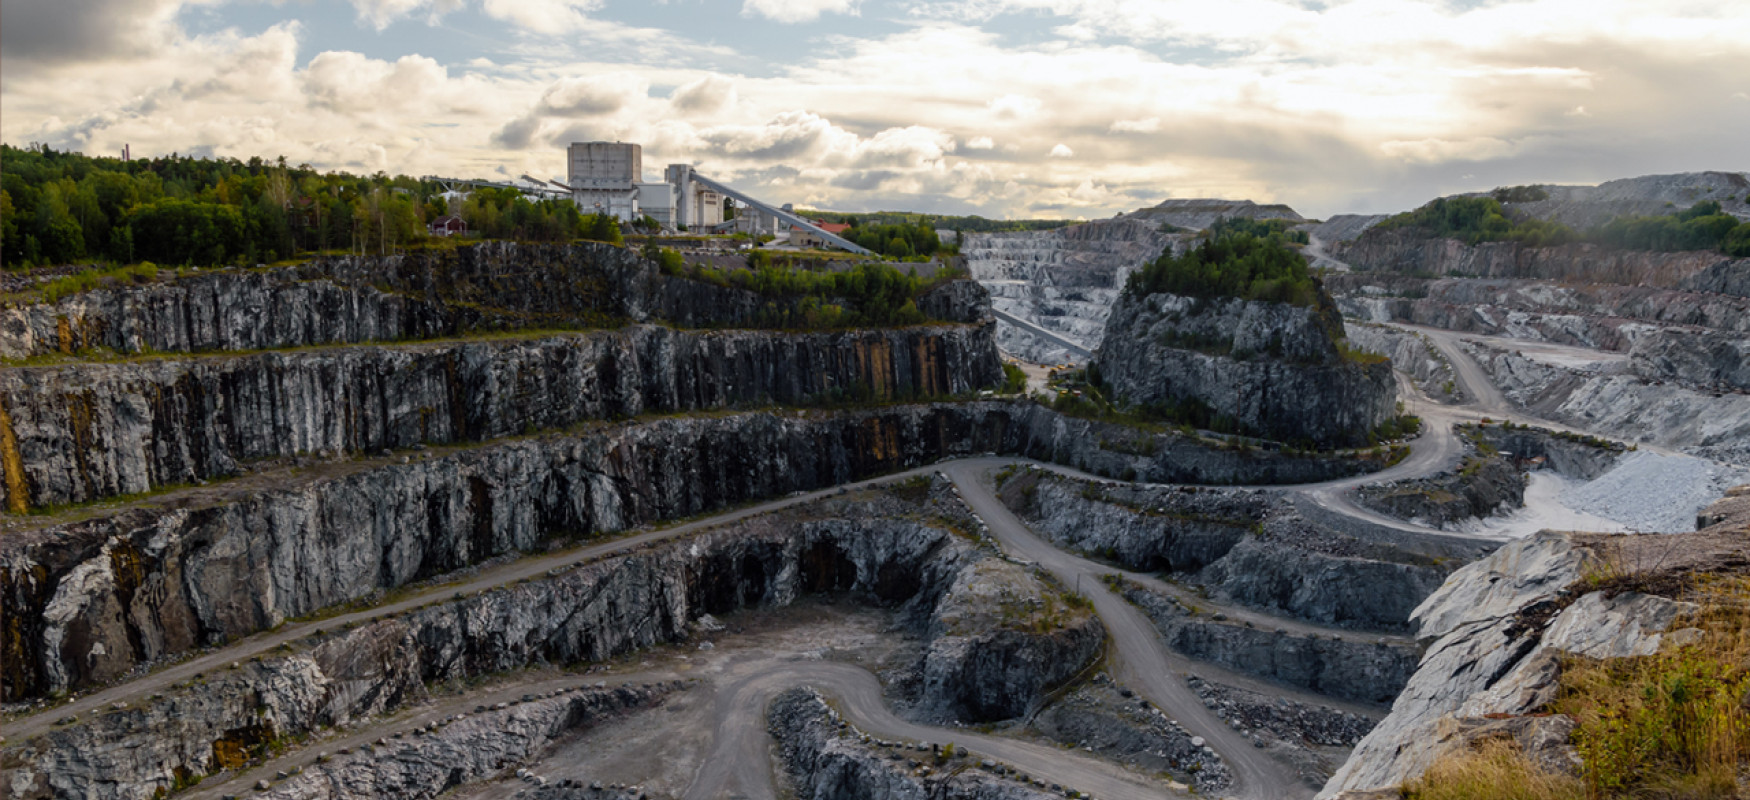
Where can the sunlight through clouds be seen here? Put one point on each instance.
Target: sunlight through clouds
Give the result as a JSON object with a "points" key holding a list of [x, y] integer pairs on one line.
{"points": [[1000, 107]]}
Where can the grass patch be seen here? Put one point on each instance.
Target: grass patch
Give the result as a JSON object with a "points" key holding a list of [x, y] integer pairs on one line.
{"points": [[1496, 769], [1673, 724]]}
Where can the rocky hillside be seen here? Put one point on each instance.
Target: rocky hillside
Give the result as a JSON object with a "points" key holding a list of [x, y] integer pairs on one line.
{"points": [[979, 661], [1509, 636], [1067, 280], [1583, 207], [1274, 369], [1063, 280], [1198, 213]]}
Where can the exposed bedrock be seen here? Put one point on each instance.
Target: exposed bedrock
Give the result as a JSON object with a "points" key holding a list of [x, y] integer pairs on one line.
{"points": [[981, 666], [867, 546], [97, 596], [1483, 485], [429, 293], [1407, 250], [1110, 720], [1710, 424], [1498, 629], [1588, 314], [88, 600], [826, 761], [1370, 672], [93, 430], [1699, 358], [1412, 354], [473, 748], [1064, 280], [1273, 368], [1491, 478], [1248, 546]]}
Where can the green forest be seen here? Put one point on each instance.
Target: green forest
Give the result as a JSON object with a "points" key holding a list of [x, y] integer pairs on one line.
{"points": [[63, 208], [1474, 220], [1234, 260]]}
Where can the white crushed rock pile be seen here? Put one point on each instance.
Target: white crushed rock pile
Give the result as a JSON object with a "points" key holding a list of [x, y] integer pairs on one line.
{"points": [[1651, 492]]}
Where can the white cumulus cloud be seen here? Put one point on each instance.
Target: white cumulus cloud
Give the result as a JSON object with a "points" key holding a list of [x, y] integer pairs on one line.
{"points": [[1149, 125], [793, 11]]}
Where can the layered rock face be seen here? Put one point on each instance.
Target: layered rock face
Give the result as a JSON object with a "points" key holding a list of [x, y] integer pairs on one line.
{"points": [[1251, 547], [1706, 423], [466, 750], [1584, 207], [1368, 672], [1273, 368], [490, 286], [1698, 358], [871, 548], [1412, 354], [82, 432], [1062, 280], [980, 666], [1408, 251], [1497, 629], [89, 600], [1585, 314], [827, 761]]}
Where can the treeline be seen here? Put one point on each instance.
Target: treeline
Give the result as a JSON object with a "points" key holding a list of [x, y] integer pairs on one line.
{"points": [[62, 208], [1232, 261], [1702, 226], [895, 240], [1262, 228], [1473, 220]]}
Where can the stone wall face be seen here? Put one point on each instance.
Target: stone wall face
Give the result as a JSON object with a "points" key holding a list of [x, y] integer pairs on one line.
{"points": [[96, 430], [1273, 368]]}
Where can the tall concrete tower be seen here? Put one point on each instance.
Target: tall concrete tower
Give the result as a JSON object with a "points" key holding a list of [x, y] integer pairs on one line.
{"points": [[604, 177]]}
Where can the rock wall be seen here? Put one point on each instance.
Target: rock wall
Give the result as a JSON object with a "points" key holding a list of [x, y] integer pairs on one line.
{"points": [[1704, 359], [1408, 251], [867, 547], [1272, 368], [89, 600], [826, 761], [1709, 424], [1412, 354], [1144, 528], [1346, 591], [1497, 628], [1064, 280], [1367, 672], [473, 748], [980, 666], [490, 286], [1248, 546], [1587, 314], [95, 430], [1482, 486]]}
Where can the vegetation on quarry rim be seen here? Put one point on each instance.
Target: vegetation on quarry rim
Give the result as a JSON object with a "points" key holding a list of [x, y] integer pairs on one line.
{"points": [[1674, 725], [1240, 258]]}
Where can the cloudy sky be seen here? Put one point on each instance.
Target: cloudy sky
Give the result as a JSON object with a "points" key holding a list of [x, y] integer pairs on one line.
{"points": [[1061, 108]]}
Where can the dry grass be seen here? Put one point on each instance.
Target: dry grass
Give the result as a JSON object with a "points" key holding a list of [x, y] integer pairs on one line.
{"points": [[1496, 769], [1670, 726], [1674, 725]]}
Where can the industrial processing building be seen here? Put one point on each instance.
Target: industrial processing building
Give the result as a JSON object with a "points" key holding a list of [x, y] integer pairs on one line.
{"points": [[608, 178]]}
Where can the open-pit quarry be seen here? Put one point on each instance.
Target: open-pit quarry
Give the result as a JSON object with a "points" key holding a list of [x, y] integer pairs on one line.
{"points": [[510, 520]]}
